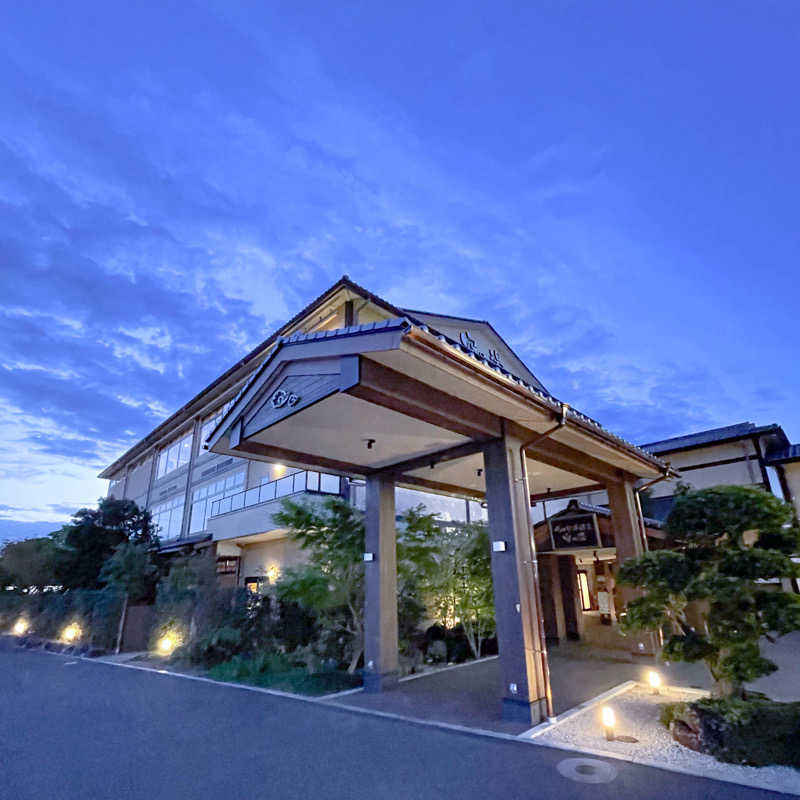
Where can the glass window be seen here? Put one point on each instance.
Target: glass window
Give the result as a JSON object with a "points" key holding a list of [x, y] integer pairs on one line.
{"points": [[329, 483], [313, 481], [174, 455], [205, 499], [168, 517], [209, 423], [284, 486]]}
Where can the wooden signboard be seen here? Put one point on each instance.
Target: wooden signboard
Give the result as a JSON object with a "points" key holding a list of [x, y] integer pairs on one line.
{"points": [[573, 531]]}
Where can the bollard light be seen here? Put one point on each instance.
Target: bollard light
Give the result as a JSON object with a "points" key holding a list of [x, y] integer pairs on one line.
{"points": [[21, 627], [609, 720], [71, 633], [165, 645], [654, 679]]}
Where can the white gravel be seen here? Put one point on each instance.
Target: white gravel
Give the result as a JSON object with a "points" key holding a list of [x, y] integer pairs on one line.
{"points": [[637, 712]]}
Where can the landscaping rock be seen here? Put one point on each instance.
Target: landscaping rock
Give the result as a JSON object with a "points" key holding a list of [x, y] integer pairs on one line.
{"points": [[683, 734]]}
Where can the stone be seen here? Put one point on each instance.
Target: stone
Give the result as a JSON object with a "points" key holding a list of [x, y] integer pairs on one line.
{"points": [[685, 735]]}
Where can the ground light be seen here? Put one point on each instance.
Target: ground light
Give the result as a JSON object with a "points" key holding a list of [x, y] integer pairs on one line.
{"points": [[609, 720], [654, 679], [21, 627], [71, 633], [168, 641]]}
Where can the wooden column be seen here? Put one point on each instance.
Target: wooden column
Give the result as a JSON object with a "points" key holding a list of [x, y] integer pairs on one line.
{"points": [[517, 608], [629, 544], [380, 586]]}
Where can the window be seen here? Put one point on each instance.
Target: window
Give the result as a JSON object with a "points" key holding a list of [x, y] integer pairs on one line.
{"points": [[204, 496], [168, 517], [174, 455], [209, 423]]}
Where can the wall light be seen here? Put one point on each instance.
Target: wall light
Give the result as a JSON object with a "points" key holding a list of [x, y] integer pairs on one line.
{"points": [[654, 679], [21, 627], [273, 572], [609, 720], [71, 633], [278, 471]]}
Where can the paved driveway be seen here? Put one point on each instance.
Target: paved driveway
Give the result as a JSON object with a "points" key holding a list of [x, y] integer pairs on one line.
{"points": [[87, 730]]}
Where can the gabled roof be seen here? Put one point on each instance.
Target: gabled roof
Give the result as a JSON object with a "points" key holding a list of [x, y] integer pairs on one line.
{"points": [[232, 375], [742, 430], [241, 368]]}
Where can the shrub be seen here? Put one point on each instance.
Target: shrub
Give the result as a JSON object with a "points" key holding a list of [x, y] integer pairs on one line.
{"points": [[749, 730]]}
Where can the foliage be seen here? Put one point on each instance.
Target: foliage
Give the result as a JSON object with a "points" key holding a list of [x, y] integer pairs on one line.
{"points": [[725, 540], [28, 564], [742, 730], [459, 585], [131, 570], [331, 583], [90, 539], [96, 611], [285, 672]]}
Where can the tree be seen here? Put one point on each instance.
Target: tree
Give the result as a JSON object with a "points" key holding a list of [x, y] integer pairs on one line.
{"points": [[725, 541], [331, 583], [29, 563], [459, 587], [90, 539], [131, 570]]}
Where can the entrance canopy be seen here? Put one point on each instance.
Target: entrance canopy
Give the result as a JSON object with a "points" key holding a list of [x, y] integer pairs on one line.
{"points": [[394, 397]]}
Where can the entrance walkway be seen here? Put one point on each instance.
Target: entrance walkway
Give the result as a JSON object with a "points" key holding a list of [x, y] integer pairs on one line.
{"points": [[468, 695]]}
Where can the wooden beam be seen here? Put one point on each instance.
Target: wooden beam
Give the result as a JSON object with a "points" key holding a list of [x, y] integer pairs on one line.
{"points": [[385, 387], [549, 451], [585, 489], [439, 487], [439, 457], [292, 457]]}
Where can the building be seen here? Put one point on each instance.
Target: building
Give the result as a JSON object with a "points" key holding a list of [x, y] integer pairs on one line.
{"points": [[391, 406]]}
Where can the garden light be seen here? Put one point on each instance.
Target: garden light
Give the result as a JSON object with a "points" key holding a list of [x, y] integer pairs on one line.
{"points": [[71, 633], [654, 679], [20, 627], [609, 720], [165, 645], [169, 640]]}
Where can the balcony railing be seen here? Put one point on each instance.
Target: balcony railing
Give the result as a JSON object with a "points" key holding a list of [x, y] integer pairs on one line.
{"points": [[305, 481]]}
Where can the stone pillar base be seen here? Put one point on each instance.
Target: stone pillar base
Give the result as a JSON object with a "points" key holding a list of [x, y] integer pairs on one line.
{"points": [[375, 682]]}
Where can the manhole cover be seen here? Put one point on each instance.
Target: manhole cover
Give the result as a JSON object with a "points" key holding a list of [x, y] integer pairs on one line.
{"points": [[628, 739], [587, 770]]}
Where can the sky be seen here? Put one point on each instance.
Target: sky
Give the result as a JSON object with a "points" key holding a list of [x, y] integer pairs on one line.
{"points": [[613, 185]]}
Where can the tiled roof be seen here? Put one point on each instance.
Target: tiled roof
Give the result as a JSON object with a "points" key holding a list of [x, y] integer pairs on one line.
{"points": [[712, 436], [790, 453], [404, 323]]}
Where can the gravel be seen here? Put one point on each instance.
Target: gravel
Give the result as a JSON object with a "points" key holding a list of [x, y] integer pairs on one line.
{"points": [[637, 712]]}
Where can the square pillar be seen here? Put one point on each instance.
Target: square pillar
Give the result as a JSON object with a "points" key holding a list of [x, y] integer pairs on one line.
{"points": [[629, 543], [381, 666], [517, 609]]}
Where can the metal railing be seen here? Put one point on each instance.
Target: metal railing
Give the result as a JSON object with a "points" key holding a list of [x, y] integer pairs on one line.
{"points": [[305, 481]]}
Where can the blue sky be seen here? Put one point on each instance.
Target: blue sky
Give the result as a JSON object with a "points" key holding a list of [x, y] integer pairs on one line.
{"points": [[613, 185]]}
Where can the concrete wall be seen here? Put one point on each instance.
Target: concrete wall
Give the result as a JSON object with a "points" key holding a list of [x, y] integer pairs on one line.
{"points": [[792, 473], [263, 558]]}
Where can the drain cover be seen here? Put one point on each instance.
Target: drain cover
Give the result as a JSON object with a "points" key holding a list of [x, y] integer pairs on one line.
{"points": [[587, 770]]}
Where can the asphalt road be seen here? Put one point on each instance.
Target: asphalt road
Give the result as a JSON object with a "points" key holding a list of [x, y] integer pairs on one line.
{"points": [[89, 730]]}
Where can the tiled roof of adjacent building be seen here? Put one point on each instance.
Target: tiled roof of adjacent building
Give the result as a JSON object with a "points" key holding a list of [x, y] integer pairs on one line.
{"points": [[790, 453], [713, 436]]}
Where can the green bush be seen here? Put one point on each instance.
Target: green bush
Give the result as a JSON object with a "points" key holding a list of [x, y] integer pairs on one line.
{"points": [[97, 611], [751, 730], [283, 672]]}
